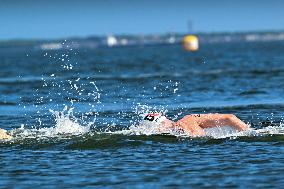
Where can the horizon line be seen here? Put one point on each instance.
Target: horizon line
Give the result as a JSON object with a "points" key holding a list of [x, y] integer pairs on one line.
{"points": [[142, 34]]}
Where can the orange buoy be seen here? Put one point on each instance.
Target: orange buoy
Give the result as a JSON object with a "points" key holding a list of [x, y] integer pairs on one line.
{"points": [[190, 43]]}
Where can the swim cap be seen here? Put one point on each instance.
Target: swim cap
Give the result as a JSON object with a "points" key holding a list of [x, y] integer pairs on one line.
{"points": [[155, 118]]}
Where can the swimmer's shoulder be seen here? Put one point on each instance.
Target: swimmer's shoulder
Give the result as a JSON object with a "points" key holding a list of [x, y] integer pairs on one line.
{"points": [[190, 116], [194, 117], [203, 115]]}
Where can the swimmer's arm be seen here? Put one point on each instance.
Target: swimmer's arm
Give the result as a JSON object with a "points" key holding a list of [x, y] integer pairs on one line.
{"points": [[213, 120]]}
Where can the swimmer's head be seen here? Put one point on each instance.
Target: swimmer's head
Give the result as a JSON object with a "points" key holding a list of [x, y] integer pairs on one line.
{"points": [[158, 120], [155, 118]]}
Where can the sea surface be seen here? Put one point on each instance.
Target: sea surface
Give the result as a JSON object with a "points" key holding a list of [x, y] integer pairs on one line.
{"points": [[75, 115]]}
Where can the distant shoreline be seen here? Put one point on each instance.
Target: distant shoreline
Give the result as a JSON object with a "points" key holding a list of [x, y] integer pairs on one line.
{"points": [[144, 40], [137, 35]]}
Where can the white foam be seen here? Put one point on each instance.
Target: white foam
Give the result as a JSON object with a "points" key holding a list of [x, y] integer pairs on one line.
{"points": [[219, 132], [148, 128], [228, 133]]}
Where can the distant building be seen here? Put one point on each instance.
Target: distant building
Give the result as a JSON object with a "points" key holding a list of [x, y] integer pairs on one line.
{"points": [[51, 46], [111, 41], [171, 39], [124, 41]]}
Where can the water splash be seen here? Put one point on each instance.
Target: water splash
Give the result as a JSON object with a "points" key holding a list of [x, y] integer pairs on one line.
{"points": [[66, 124]]}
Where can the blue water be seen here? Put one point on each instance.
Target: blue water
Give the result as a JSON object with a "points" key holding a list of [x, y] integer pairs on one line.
{"points": [[75, 113]]}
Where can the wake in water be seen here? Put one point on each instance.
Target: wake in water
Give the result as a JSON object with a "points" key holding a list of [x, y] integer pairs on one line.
{"points": [[215, 133]]}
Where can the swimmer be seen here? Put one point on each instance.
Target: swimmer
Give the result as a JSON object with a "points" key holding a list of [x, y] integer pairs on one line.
{"points": [[195, 124], [4, 135]]}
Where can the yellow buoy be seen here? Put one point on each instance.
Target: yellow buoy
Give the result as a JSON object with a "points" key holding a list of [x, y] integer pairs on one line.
{"points": [[190, 43]]}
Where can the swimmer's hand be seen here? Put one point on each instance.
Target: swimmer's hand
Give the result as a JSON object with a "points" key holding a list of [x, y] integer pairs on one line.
{"points": [[4, 135]]}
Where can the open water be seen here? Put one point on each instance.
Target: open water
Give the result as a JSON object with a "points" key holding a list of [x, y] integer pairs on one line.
{"points": [[75, 113]]}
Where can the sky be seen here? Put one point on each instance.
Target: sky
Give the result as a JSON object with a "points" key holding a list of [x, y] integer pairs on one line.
{"points": [[48, 19]]}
